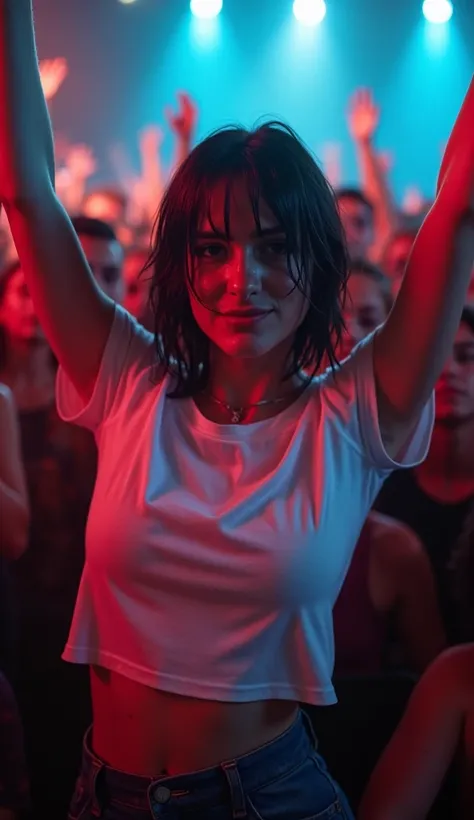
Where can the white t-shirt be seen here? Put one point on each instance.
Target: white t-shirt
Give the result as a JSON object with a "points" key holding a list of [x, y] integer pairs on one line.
{"points": [[215, 553]]}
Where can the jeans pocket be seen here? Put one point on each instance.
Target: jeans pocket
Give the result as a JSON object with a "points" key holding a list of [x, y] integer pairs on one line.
{"points": [[305, 793], [81, 800]]}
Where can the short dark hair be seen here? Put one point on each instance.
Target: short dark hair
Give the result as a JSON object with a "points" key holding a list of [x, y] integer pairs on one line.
{"points": [[94, 228], [355, 194], [279, 169], [467, 317], [362, 267]]}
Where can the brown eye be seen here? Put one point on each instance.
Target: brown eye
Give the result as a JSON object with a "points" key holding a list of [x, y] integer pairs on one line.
{"points": [[210, 251], [277, 248]]}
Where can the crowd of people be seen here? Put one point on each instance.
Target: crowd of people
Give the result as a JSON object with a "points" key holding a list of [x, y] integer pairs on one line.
{"points": [[312, 481]]}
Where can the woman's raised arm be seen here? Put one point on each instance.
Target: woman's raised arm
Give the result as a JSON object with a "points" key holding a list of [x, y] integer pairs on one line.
{"points": [[75, 314], [412, 346]]}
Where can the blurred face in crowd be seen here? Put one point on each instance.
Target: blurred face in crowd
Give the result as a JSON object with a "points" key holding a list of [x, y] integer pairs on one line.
{"points": [[247, 303], [17, 315], [136, 287], [358, 222], [364, 310], [105, 258], [396, 256], [455, 387]]}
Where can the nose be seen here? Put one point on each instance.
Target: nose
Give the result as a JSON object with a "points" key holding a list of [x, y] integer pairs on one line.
{"points": [[244, 279], [353, 332], [450, 369], [28, 306]]}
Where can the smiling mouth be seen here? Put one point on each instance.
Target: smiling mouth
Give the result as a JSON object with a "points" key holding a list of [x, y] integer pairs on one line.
{"points": [[246, 315]]}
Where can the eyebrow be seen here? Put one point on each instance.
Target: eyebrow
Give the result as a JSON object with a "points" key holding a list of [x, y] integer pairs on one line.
{"points": [[275, 230]]}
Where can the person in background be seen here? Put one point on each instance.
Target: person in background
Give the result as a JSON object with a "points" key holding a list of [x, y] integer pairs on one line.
{"points": [[183, 123], [435, 498], [60, 466], [108, 205], [462, 579], [137, 285], [14, 523], [395, 256], [76, 166], [53, 73], [470, 293], [367, 304], [438, 723], [104, 254], [358, 220], [14, 786], [389, 592], [14, 507], [145, 190], [387, 605], [372, 217]]}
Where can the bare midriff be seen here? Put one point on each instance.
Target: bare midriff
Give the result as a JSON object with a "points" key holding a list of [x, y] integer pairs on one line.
{"points": [[148, 732]]}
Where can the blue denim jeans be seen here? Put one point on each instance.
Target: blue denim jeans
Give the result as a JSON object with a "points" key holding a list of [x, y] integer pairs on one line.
{"points": [[283, 780]]}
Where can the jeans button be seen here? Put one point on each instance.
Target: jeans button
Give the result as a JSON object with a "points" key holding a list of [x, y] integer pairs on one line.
{"points": [[162, 795]]}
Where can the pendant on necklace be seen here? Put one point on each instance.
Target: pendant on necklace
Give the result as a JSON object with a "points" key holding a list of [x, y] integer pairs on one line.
{"points": [[237, 415]]}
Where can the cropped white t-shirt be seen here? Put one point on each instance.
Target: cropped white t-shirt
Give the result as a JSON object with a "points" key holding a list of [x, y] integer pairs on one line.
{"points": [[215, 553]]}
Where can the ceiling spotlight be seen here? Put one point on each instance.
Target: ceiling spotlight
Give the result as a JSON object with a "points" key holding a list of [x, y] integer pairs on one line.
{"points": [[438, 11], [309, 12], [206, 9]]}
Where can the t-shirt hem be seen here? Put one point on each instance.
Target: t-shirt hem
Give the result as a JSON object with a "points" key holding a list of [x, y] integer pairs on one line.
{"points": [[317, 696]]}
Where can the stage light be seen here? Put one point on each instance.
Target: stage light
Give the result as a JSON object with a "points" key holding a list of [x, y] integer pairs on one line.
{"points": [[127, 2], [309, 12], [438, 11], [206, 9]]}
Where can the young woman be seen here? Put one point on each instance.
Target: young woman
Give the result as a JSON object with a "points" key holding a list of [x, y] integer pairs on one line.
{"points": [[216, 544]]}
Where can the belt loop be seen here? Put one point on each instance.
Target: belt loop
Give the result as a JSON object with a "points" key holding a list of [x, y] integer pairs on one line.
{"points": [[239, 807], [96, 769], [309, 729]]}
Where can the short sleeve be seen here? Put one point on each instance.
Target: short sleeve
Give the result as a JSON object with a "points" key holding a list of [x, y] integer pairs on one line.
{"points": [[129, 350], [350, 397]]}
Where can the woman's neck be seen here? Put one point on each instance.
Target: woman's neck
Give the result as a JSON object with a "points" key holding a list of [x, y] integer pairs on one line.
{"points": [[448, 472], [245, 382], [255, 387], [29, 373]]}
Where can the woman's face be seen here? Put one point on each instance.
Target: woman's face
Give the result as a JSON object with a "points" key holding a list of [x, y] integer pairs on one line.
{"points": [[17, 314], [364, 310], [455, 387], [251, 304]]}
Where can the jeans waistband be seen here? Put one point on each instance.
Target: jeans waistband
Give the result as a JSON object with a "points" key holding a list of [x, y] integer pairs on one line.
{"points": [[207, 786]]}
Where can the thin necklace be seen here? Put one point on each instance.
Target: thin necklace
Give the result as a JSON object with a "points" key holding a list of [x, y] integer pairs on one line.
{"points": [[237, 414]]}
